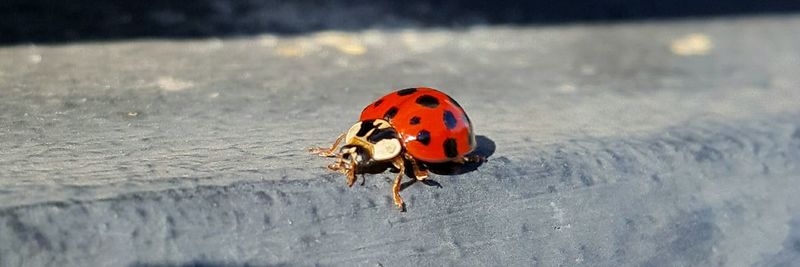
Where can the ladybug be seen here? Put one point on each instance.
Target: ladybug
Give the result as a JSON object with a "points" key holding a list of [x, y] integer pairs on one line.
{"points": [[411, 127]]}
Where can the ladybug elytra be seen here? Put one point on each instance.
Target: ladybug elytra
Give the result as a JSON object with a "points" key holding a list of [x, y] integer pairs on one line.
{"points": [[410, 126]]}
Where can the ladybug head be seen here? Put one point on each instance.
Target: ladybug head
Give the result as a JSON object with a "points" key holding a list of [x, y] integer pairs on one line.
{"points": [[371, 141]]}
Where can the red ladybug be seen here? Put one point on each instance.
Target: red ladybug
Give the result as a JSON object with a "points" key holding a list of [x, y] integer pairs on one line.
{"points": [[414, 125]]}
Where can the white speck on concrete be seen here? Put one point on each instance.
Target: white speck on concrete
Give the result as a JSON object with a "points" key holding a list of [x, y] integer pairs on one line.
{"points": [[588, 70], [172, 84], [567, 88], [558, 215], [35, 58], [268, 40], [695, 44]]}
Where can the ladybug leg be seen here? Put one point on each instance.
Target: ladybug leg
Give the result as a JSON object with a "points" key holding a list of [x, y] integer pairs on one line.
{"points": [[419, 173], [338, 166], [470, 159], [327, 152], [400, 164], [476, 158], [351, 173]]}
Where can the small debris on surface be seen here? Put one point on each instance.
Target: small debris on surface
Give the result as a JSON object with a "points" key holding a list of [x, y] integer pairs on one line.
{"points": [[172, 84], [695, 44], [347, 44]]}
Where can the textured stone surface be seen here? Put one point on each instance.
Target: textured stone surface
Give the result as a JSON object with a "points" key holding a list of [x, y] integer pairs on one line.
{"points": [[609, 144]]}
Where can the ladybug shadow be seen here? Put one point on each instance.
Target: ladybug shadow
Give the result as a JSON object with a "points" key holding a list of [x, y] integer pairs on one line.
{"points": [[485, 148]]}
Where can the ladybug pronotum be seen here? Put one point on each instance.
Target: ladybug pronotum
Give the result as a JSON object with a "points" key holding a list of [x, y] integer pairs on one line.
{"points": [[412, 126]]}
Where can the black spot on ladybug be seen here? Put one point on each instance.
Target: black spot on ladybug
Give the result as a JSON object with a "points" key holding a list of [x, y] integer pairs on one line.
{"points": [[450, 120], [365, 127], [414, 120], [406, 91], [377, 103], [428, 101], [390, 114], [450, 148], [424, 137]]}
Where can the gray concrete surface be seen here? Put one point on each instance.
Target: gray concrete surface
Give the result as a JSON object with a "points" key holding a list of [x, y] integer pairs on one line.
{"points": [[655, 144]]}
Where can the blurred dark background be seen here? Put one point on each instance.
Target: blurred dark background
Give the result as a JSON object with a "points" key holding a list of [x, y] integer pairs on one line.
{"points": [[47, 21]]}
